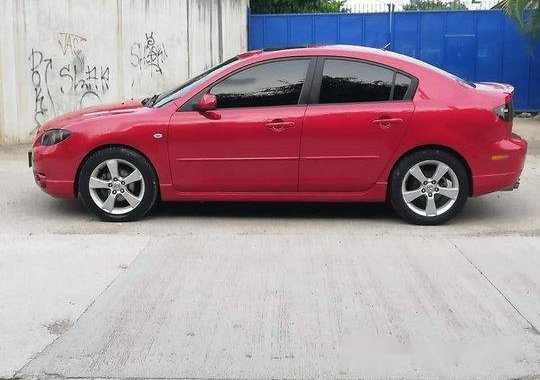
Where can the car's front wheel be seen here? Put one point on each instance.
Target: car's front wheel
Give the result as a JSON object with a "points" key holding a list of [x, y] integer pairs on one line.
{"points": [[117, 184], [429, 187]]}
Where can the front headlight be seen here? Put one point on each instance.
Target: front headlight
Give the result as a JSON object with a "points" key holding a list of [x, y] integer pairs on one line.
{"points": [[54, 136]]}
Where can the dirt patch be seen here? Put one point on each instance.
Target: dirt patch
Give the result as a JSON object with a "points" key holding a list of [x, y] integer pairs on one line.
{"points": [[59, 326]]}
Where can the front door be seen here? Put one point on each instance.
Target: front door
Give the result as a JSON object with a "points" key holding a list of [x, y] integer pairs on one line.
{"points": [[354, 126], [251, 142]]}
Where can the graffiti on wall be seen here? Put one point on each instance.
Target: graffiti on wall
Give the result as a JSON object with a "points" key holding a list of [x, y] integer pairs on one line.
{"points": [[40, 70], [149, 55], [72, 43], [65, 82], [88, 83], [66, 77]]}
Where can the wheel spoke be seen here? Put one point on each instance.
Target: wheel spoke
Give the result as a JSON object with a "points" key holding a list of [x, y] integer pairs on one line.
{"points": [[449, 192], [112, 165], [132, 199], [410, 196], [133, 177], [417, 173], [96, 183], [431, 207], [441, 170], [108, 205]]}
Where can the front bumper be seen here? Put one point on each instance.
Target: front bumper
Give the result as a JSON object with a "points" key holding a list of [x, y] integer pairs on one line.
{"points": [[58, 189], [54, 168], [501, 166]]}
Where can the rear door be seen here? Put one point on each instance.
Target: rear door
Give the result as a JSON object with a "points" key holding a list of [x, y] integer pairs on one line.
{"points": [[359, 113]]}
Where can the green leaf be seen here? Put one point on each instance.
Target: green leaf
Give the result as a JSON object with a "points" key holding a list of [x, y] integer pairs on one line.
{"points": [[297, 6]]}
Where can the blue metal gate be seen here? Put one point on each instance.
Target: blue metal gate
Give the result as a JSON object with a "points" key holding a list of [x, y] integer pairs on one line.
{"points": [[475, 45]]}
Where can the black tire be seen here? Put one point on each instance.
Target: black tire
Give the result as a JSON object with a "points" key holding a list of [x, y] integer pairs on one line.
{"points": [[400, 172], [127, 157]]}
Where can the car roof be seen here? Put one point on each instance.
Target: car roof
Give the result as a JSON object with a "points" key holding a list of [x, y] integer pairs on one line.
{"points": [[315, 50], [385, 57]]}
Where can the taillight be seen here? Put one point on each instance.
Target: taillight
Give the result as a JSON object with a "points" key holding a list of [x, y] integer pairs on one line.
{"points": [[503, 112], [506, 113]]}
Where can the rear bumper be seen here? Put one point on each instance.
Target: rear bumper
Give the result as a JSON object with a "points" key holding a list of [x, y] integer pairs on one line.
{"points": [[515, 186], [502, 164]]}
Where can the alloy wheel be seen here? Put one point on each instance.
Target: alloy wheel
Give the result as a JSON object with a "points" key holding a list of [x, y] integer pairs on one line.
{"points": [[116, 186], [430, 188]]}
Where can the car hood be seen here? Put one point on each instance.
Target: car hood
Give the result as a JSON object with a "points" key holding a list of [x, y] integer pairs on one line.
{"points": [[126, 107]]}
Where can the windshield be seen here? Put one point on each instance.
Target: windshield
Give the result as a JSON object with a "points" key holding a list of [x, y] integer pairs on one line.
{"points": [[167, 96]]}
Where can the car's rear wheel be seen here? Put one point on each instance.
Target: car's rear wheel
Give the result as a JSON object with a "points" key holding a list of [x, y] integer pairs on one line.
{"points": [[429, 187], [118, 184]]}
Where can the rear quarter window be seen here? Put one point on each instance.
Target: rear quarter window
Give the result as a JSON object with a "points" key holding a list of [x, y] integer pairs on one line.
{"points": [[401, 86]]}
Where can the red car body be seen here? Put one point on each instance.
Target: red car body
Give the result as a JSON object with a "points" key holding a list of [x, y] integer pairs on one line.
{"points": [[303, 152]]}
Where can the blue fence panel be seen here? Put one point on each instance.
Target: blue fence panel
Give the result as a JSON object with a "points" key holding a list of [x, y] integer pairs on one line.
{"points": [[489, 50], [376, 30], [351, 29], [255, 33], [405, 34], [300, 30], [515, 65], [431, 46], [534, 79], [476, 45]]}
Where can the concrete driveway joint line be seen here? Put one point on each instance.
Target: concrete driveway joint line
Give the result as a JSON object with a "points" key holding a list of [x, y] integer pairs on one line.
{"points": [[532, 326], [16, 375]]}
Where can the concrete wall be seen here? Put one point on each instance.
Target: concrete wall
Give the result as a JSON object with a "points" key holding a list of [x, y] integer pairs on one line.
{"points": [[57, 56]]}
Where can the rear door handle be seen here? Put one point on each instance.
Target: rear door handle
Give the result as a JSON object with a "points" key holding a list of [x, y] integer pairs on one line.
{"points": [[387, 122], [279, 125]]}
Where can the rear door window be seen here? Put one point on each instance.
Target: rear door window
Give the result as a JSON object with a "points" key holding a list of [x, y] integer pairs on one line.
{"points": [[346, 81], [349, 81]]}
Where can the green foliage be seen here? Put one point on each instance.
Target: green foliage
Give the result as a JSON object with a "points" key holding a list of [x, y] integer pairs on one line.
{"points": [[526, 13], [433, 5], [297, 6]]}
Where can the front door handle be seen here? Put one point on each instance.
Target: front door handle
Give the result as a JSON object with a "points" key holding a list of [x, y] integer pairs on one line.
{"points": [[387, 122], [278, 125]]}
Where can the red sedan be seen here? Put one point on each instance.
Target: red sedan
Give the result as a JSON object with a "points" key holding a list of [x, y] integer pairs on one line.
{"points": [[333, 123]]}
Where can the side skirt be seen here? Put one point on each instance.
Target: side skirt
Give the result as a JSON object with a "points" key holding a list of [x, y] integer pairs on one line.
{"points": [[377, 193]]}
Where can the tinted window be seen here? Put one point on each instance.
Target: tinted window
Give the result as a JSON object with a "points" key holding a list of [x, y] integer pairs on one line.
{"points": [[269, 84], [349, 81], [401, 86]]}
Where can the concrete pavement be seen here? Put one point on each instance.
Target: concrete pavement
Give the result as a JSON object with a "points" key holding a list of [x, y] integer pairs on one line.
{"points": [[301, 307], [47, 283], [269, 290]]}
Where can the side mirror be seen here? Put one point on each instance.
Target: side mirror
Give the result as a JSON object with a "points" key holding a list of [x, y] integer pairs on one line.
{"points": [[208, 102]]}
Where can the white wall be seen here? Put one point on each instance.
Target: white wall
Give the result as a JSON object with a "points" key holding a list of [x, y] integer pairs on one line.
{"points": [[60, 55]]}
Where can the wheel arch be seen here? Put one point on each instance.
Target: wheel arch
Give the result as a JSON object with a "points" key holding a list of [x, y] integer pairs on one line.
{"points": [[101, 147], [433, 146]]}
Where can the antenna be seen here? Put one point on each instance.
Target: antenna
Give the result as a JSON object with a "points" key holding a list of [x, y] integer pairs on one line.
{"points": [[386, 46]]}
